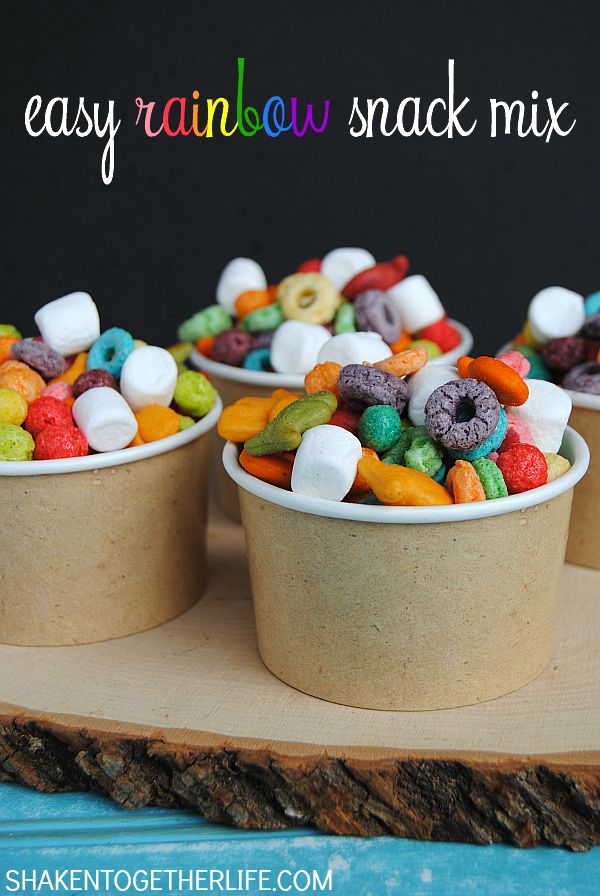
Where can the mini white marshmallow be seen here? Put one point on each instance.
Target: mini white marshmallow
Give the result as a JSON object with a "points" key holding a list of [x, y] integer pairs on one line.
{"points": [[105, 418], [341, 265], [417, 301], [70, 324], [555, 312], [422, 384], [238, 276], [296, 345], [546, 412], [149, 376], [325, 463], [354, 348]]}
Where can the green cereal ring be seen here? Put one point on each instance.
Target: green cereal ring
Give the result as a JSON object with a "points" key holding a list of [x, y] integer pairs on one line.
{"points": [[284, 432], [209, 322], [15, 443], [424, 454], [433, 350], [268, 318], [379, 427], [9, 330], [194, 394], [13, 407], [345, 319], [185, 422], [395, 454], [490, 477]]}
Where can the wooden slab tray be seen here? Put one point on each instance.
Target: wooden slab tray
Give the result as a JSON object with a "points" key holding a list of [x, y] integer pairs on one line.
{"points": [[187, 715]]}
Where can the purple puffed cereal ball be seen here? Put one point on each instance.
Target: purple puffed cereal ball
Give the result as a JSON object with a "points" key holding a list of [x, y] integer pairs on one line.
{"points": [[39, 356], [231, 347], [584, 378], [375, 312], [92, 379], [361, 385], [462, 414], [264, 339], [591, 327], [562, 354]]}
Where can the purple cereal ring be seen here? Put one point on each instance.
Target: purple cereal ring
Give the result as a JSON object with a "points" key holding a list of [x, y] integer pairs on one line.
{"points": [[362, 385], [584, 378], [462, 414], [40, 356], [91, 379], [264, 339], [231, 347], [562, 354], [375, 311], [591, 327]]}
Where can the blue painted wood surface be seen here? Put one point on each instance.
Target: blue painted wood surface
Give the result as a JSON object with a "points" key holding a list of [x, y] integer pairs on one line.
{"points": [[57, 831]]}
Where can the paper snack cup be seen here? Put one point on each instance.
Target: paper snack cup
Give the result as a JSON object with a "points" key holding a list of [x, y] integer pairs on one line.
{"points": [[237, 382], [106, 545], [583, 546], [406, 608]]}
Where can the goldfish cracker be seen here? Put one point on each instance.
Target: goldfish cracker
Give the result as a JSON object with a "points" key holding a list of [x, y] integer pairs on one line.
{"points": [[156, 422], [18, 376], [360, 485], [282, 403], [78, 366], [252, 300], [285, 432], [205, 345], [464, 484], [246, 417], [136, 441], [510, 388], [6, 344], [396, 485], [463, 364], [276, 469], [403, 363], [323, 376]]}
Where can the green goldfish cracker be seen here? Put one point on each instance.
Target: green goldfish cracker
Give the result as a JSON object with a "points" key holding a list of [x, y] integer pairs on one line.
{"points": [[15, 443], [284, 432], [194, 394]]}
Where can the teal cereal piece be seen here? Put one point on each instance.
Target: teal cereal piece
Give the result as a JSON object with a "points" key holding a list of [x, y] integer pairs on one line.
{"points": [[9, 330], [268, 318], [490, 477], [345, 319], [209, 322], [433, 350], [369, 499], [440, 476], [591, 305], [194, 394], [15, 443], [185, 422], [492, 443], [258, 359], [379, 427], [110, 351], [424, 454], [284, 432]]}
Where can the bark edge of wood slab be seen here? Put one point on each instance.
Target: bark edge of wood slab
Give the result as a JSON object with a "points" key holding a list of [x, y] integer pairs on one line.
{"points": [[551, 799]]}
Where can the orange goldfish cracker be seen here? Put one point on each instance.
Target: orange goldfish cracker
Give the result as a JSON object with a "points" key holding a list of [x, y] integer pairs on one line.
{"points": [[136, 440], [252, 300], [393, 484], [323, 376], [464, 484], [156, 422], [6, 343], [18, 376], [78, 366], [403, 363], [463, 364], [360, 485], [510, 388], [204, 345], [247, 417], [282, 403], [401, 343], [275, 469]]}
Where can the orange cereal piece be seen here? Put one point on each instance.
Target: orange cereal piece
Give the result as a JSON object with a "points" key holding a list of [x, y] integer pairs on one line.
{"points": [[272, 290], [463, 365], [397, 485], [360, 485], [464, 484], [205, 344], [136, 440], [282, 403], [401, 343], [6, 343], [275, 469], [510, 388], [78, 366], [156, 422], [252, 300], [18, 376], [323, 376], [408, 361]]}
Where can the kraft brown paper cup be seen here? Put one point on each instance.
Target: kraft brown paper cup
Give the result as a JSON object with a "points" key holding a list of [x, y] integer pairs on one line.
{"points": [[103, 546], [236, 382], [406, 608], [583, 546]]}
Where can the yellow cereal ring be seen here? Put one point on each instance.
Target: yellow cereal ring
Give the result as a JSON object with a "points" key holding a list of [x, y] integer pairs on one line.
{"points": [[311, 298]]}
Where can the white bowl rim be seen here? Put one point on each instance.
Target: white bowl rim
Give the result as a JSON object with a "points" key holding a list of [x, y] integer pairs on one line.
{"points": [[113, 458], [580, 399], [296, 380], [574, 444]]}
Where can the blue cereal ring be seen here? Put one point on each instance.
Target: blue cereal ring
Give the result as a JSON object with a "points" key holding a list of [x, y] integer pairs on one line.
{"points": [[491, 443], [110, 350], [258, 359], [440, 476], [592, 304]]}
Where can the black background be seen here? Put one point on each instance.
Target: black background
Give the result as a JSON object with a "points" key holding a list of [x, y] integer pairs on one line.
{"points": [[489, 222]]}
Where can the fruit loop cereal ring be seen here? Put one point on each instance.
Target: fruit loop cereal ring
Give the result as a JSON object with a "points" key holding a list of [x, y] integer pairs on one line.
{"points": [[91, 379], [423, 453], [538, 369], [71, 373], [563, 354], [380, 276], [251, 301], [18, 376], [55, 442], [517, 361], [13, 407], [47, 411], [323, 377], [247, 416], [284, 433], [258, 359], [209, 322], [464, 484], [400, 486], [39, 356], [442, 334], [194, 394], [491, 478], [232, 346], [510, 388], [59, 389], [492, 443], [462, 414], [205, 346], [523, 467], [156, 422], [345, 319], [440, 476], [583, 378], [6, 344], [273, 468], [557, 466], [110, 351], [263, 340], [590, 306], [15, 443], [408, 361], [359, 384], [374, 312], [268, 318], [311, 298], [591, 327], [379, 427]]}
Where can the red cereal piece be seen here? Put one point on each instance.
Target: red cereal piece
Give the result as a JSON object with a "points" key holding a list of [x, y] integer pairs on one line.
{"points": [[524, 467], [60, 441], [47, 411], [311, 265], [346, 420], [443, 334]]}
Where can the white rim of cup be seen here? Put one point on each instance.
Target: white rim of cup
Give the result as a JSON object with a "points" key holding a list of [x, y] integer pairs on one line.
{"points": [[296, 380], [113, 458], [579, 399], [574, 445]]}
